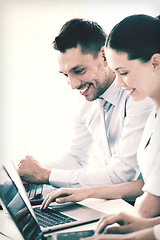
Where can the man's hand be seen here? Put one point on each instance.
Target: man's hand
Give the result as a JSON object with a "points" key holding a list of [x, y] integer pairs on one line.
{"points": [[64, 195], [32, 171]]}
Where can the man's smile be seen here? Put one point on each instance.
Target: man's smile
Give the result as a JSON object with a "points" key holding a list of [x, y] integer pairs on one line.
{"points": [[84, 90]]}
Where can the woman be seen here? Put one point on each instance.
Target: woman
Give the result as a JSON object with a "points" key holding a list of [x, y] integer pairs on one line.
{"points": [[133, 53]]}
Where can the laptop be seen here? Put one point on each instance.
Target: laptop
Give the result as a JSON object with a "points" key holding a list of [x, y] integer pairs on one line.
{"points": [[37, 192], [29, 220]]}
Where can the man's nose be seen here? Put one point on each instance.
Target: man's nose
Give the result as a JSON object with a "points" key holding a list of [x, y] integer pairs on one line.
{"points": [[119, 81], [74, 82]]}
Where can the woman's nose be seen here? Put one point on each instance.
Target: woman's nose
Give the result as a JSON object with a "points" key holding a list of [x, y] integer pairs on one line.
{"points": [[119, 81]]}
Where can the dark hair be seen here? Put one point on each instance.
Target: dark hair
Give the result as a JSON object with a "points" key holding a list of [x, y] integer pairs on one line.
{"points": [[137, 35], [89, 35]]}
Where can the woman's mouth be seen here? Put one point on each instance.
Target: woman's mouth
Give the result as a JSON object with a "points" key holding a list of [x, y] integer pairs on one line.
{"points": [[130, 91]]}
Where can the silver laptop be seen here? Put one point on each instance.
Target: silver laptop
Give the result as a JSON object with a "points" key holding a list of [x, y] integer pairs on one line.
{"points": [[31, 222]]}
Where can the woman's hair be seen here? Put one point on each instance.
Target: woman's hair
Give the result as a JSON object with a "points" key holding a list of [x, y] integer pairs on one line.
{"points": [[89, 35], [136, 35]]}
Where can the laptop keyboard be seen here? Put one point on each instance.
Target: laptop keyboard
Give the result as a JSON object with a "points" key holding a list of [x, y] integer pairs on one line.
{"points": [[34, 192], [49, 217]]}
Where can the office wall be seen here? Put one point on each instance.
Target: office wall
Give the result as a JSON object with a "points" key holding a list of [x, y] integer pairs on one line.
{"points": [[36, 102]]}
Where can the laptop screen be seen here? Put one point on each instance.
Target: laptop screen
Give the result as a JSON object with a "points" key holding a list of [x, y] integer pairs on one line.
{"points": [[17, 208]]}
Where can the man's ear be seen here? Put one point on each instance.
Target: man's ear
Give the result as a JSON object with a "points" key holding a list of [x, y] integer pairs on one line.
{"points": [[155, 60], [104, 55]]}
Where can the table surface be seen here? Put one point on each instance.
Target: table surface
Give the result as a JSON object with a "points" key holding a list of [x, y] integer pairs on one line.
{"points": [[107, 206]]}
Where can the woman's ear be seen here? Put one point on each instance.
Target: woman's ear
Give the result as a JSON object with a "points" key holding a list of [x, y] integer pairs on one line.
{"points": [[155, 60]]}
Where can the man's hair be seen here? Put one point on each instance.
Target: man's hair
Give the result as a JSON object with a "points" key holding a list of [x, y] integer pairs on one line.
{"points": [[89, 35], [136, 35]]}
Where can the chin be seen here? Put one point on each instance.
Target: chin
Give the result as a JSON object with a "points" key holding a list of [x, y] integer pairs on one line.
{"points": [[90, 98], [137, 99]]}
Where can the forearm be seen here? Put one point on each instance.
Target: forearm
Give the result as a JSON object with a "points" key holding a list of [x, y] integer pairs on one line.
{"points": [[127, 191], [153, 221], [148, 205]]}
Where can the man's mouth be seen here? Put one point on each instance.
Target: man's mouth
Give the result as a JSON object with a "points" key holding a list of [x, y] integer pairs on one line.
{"points": [[85, 89]]}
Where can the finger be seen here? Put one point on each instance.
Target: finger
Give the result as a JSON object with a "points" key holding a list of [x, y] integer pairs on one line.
{"points": [[117, 218], [102, 223], [50, 197], [118, 229], [64, 198], [101, 227]]}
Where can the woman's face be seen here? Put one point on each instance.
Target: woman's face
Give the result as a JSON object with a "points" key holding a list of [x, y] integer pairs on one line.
{"points": [[137, 78]]}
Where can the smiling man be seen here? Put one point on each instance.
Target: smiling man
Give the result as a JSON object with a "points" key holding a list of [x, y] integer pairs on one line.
{"points": [[91, 78], [81, 57]]}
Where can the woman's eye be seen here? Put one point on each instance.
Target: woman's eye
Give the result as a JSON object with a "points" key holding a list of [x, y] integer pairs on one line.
{"points": [[123, 74]]}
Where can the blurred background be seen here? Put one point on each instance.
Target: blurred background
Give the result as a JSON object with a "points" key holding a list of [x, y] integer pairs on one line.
{"points": [[35, 101]]}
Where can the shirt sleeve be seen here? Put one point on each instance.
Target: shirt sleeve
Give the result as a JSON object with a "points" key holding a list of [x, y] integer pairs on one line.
{"points": [[152, 183], [123, 164], [156, 231]]}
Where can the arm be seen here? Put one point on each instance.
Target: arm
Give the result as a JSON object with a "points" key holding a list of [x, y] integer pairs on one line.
{"points": [[148, 205], [123, 162], [69, 171], [123, 165], [125, 190], [125, 136], [76, 156], [56, 173]]}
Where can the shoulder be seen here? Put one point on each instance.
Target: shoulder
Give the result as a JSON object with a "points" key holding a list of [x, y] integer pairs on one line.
{"points": [[143, 106]]}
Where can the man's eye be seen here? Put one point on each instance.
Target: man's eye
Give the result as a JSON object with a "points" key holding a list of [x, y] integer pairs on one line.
{"points": [[79, 71]]}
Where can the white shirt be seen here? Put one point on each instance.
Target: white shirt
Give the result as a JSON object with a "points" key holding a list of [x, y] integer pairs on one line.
{"points": [[149, 157], [124, 133], [156, 231]]}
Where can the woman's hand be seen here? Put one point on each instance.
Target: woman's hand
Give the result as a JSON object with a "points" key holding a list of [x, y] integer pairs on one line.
{"points": [[145, 234], [126, 223]]}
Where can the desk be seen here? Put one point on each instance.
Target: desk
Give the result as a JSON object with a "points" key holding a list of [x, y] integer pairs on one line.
{"points": [[107, 206]]}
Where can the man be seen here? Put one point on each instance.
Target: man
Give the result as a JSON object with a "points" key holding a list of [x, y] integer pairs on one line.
{"points": [[80, 45]]}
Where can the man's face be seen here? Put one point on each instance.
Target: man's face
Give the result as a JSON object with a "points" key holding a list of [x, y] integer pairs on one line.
{"points": [[90, 76]]}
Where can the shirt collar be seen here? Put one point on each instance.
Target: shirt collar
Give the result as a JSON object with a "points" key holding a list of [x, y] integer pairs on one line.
{"points": [[111, 95]]}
